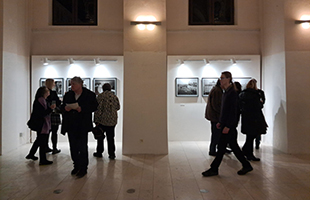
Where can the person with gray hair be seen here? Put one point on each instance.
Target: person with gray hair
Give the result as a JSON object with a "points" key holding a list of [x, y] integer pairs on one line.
{"points": [[106, 119], [78, 106]]}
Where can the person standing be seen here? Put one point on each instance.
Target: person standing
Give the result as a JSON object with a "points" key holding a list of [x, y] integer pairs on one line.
{"points": [[106, 119], [78, 106], [213, 110], [228, 122], [40, 122], [55, 117], [252, 119]]}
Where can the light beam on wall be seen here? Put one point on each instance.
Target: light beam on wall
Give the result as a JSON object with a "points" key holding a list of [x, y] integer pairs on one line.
{"points": [[304, 21], [76, 70]]}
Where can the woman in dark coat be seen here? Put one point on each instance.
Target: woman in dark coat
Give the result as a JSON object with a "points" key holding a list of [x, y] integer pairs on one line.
{"points": [[41, 123], [55, 117], [253, 121]]}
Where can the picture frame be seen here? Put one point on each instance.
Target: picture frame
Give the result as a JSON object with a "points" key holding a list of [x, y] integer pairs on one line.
{"points": [[243, 81], [59, 85], [99, 82], [86, 83], [186, 87], [207, 84]]}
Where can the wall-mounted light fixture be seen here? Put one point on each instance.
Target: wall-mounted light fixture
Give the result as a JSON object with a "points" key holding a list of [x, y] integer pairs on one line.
{"points": [[97, 61], [45, 61], [233, 61], [71, 61], [304, 21], [148, 22], [181, 62], [206, 61]]}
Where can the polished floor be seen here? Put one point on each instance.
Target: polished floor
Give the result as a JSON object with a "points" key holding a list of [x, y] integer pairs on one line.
{"points": [[277, 176]]}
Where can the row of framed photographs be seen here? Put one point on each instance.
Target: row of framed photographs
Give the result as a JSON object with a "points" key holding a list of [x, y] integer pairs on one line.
{"points": [[97, 84], [189, 87]]}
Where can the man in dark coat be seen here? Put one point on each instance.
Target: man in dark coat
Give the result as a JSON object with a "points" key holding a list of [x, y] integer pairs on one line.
{"points": [[78, 105]]}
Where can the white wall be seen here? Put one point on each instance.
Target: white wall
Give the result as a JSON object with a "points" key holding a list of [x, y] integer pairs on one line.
{"points": [[15, 77], [84, 69], [186, 114]]}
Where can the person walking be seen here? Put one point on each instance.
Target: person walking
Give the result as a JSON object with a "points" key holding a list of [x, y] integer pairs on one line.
{"points": [[78, 106], [228, 122], [41, 123], [106, 119], [252, 119]]}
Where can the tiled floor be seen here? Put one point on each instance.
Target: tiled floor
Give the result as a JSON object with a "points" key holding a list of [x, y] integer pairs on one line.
{"points": [[175, 176]]}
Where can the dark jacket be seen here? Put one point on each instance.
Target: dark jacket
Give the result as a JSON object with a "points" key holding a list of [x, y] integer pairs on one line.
{"points": [[230, 109], [74, 121], [252, 121], [38, 114], [53, 97], [213, 108]]}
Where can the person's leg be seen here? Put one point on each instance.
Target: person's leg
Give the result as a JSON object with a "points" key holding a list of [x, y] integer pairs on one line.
{"points": [[220, 153], [33, 149], [110, 139], [43, 140], [83, 154], [54, 136], [73, 143], [215, 138], [257, 141], [238, 153]]}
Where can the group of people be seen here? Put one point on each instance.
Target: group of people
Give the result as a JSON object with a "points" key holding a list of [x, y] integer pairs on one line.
{"points": [[226, 102], [76, 109]]}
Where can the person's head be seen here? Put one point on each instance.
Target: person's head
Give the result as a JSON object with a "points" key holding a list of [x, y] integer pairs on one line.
{"points": [[226, 79], [76, 84], [42, 92], [252, 84], [238, 86], [50, 83], [106, 87]]}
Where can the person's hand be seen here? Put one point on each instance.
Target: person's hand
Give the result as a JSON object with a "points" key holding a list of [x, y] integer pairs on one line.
{"points": [[79, 109], [225, 130], [53, 106], [218, 126], [67, 108]]}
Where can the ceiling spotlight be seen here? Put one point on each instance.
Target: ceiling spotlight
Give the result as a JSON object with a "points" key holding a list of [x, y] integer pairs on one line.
{"points": [[45, 61], [233, 61], [180, 61], [71, 61], [206, 61], [97, 61]]}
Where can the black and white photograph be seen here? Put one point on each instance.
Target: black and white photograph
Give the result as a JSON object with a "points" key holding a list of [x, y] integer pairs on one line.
{"points": [[86, 83], [186, 87], [243, 81], [99, 82], [59, 85], [207, 84]]}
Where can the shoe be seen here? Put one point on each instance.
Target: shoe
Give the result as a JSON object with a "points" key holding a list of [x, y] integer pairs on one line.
{"points": [[55, 151], [112, 157], [244, 170], [31, 157], [210, 172], [46, 162], [257, 147], [74, 171], [212, 153], [228, 151], [81, 173], [98, 155], [48, 150], [252, 158]]}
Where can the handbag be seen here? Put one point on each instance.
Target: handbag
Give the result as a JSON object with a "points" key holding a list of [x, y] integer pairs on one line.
{"points": [[98, 132]]}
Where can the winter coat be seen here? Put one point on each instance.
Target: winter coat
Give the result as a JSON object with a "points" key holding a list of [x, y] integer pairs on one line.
{"points": [[213, 108], [252, 118]]}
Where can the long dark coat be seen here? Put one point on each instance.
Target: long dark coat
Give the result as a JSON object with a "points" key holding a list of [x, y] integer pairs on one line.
{"points": [[73, 121], [252, 118]]}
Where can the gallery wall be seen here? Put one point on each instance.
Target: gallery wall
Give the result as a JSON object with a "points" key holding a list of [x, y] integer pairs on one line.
{"points": [[85, 67], [186, 115]]}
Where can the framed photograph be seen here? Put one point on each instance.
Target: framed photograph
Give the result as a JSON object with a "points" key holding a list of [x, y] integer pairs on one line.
{"points": [[243, 81], [86, 83], [99, 82], [207, 84], [59, 85], [186, 87]]}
